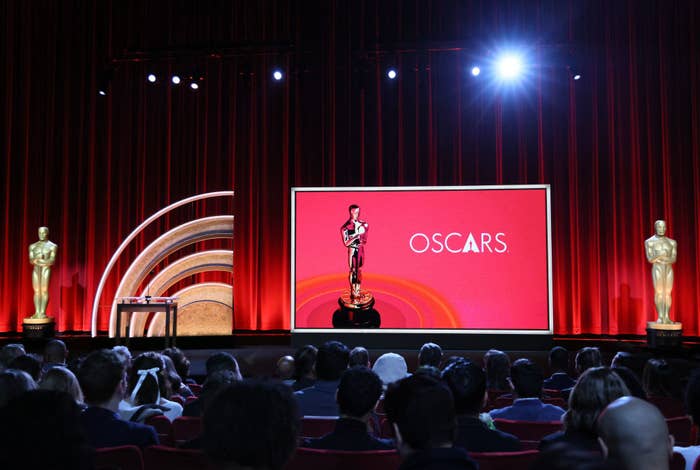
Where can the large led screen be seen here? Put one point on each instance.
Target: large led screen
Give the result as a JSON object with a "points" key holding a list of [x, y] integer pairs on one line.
{"points": [[447, 259]]}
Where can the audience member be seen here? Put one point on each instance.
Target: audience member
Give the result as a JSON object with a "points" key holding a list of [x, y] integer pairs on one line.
{"points": [[631, 381], [55, 354], [430, 354], [497, 366], [467, 381], [527, 380], [217, 362], [304, 364], [622, 359], [223, 361], [41, 430], [358, 393], [319, 399], [29, 364], [148, 387], [421, 410], [660, 381], [559, 366], [285, 370], [177, 386], [9, 352], [251, 425], [182, 364], [692, 404], [212, 385], [390, 367], [124, 356], [61, 379], [586, 358], [102, 378], [13, 383], [564, 456], [359, 356], [595, 389], [634, 434]]}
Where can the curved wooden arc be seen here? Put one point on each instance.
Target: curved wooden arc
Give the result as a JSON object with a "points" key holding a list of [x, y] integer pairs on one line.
{"points": [[183, 235]]}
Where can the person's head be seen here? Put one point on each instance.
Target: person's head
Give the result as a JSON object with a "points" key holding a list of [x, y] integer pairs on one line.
{"points": [[527, 378], [216, 382], [285, 367], [55, 352], [13, 383], [62, 380], [359, 356], [124, 356], [660, 380], [390, 367], [421, 409], [304, 361], [497, 366], [558, 359], [692, 396], [43, 233], [634, 433], [354, 211], [53, 418], [102, 377], [331, 360], [28, 364], [622, 359], [182, 364], [660, 227], [9, 352], [174, 379], [358, 392], [631, 381], [148, 380], [586, 358], [467, 381], [595, 389], [430, 354], [251, 424], [222, 361]]}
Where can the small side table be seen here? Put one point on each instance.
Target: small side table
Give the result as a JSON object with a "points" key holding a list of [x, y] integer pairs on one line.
{"points": [[130, 305]]}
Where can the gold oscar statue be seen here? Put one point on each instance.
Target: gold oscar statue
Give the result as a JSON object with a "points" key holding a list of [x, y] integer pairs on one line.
{"points": [[42, 255]]}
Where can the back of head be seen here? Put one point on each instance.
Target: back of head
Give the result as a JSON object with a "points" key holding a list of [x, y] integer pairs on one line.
{"points": [[467, 381], [55, 351], [285, 367], [182, 364], [148, 369], [527, 378], [28, 364], [99, 375], [595, 389], [331, 360], [390, 367], [635, 434], [63, 380], [660, 380], [358, 391], [13, 383], [497, 366], [423, 410], [251, 424], [304, 361], [586, 358], [216, 382], [430, 354], [9, 352], [631, 381], [359, 356], [124, 356], [222, 361], [622, 359], [558, 359]]}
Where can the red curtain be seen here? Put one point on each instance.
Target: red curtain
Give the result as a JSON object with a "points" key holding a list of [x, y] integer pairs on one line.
{"points": [[620, 147]]}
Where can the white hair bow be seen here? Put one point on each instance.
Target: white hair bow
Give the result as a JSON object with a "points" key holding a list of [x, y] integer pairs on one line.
{"points": [[143, 373]]}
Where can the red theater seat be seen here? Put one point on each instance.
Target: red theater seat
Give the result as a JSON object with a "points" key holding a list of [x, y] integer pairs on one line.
{"points": [[505, 460], [528, 430], [120, 457], [305, 459], [163, 428], [169, 458], [317, 426], [186, 428], [195, 388], [682, 430], [670, 407]]}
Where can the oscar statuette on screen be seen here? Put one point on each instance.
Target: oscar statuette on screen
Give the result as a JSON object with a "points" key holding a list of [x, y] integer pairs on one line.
{"points": [[661, 252], [356, 304], [42, 255]]}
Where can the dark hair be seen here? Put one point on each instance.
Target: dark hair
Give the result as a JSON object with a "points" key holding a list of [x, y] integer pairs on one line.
{"points": [[331, 360], [174, 379], [497, 366], [595, 389], [559, 359], [28, 364], [99, 375], [9, 352], [692, 396], [150, 388], [304, 361], [252, 424], [353, 206], [359, 356], [622, 359], [565, 456], [222, 361], [659, 379], [358, 391], [586, 358], [182, 364], [13, 383], [423, 409], [55, 351], [467, 381], [216, 382], [631, 381], [527, 378], [52, 414], [430, 354]]}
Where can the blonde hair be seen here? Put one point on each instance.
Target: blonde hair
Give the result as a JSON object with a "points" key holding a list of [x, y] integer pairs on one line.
{"points": [[62, 380]]}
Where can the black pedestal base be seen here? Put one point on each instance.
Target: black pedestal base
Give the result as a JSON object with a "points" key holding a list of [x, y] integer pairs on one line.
{"points": [[356, 318], [39, 330], [664, 339]]}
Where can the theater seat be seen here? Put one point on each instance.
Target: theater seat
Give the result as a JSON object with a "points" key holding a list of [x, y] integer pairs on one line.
{"points": [[119, 458], [170, 458], [528, 430], [682, 430], [317, 426], [186, 428], [305, 459], [505, 460], [163, 428], [670, 407], [195, 388]]}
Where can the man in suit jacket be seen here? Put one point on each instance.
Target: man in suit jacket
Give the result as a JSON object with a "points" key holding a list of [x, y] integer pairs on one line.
{"points": [[319, 399], [559, 364], [358, 393], [468, 384], [103, 380]]}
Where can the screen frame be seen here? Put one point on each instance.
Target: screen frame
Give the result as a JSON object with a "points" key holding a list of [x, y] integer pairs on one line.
{"points": [[460, 331]]}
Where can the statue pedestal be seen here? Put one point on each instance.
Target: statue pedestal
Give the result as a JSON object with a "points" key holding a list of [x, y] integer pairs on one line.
{"points": [[664, 335], [356, 313], [38, 328]]}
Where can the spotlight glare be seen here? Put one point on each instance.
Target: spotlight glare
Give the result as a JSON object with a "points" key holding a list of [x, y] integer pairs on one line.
{"points": [[577, 76], [476, 71], [277, 75], [102, 92], [392, 73], [176, 79], [509, 66], [194, 86], [151, 78]]}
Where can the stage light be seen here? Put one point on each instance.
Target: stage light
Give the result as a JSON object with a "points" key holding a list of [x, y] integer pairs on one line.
{"points": [[194, 86], [176, 79], [151, 78], [277, 75], [577, 76], [103, 79], [509, 66], [102, 92], [392, 73], [476, 71]]}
